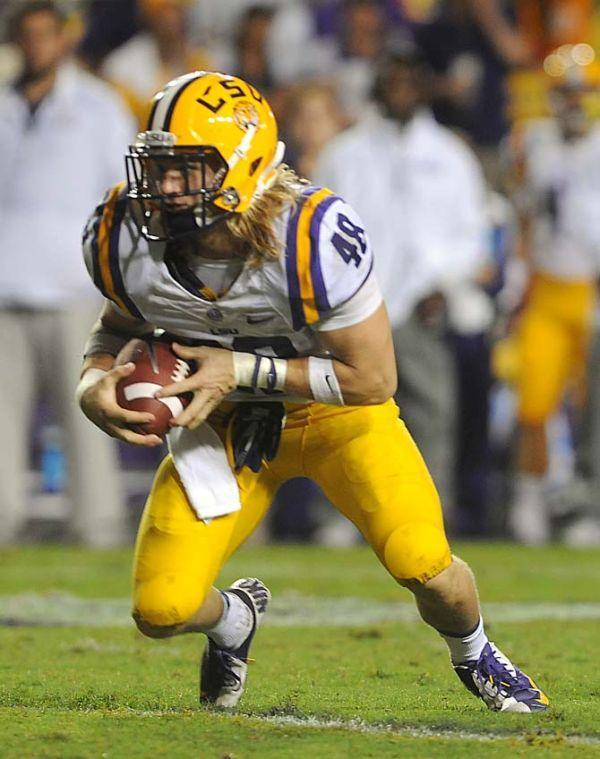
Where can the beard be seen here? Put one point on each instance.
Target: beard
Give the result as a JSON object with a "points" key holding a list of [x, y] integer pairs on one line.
{"points": [[217, 241]]}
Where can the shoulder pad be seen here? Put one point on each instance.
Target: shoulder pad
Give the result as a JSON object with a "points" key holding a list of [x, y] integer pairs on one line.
{"points": [[101, 238], [327, 257]]}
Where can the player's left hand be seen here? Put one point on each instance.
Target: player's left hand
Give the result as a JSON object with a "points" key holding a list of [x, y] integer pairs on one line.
{"points": [[210, 383]]}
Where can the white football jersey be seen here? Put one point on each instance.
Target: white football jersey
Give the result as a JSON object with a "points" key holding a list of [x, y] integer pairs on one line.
{"points": [[323, 280], [564, 181]]}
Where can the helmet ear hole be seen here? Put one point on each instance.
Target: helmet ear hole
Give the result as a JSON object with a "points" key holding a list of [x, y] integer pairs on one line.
{"points": [[254, 166]]}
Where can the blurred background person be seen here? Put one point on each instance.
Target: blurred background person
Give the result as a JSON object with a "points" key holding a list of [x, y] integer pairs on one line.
{"points": [[361, 40], [250, 59], [472, 45], [339, 41], [214, 25], [313, 117], [159, 53], [478, 510], [420, 191], [108, 25], [556, 162], [295, 48], [62, 133]]}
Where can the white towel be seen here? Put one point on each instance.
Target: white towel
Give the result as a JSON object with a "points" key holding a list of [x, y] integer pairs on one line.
{"points": [[201, 462]]}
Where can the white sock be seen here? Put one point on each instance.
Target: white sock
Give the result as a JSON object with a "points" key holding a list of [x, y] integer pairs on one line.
{"points": [[468, 648], [528, 515], [235, 624], [529, 488]]}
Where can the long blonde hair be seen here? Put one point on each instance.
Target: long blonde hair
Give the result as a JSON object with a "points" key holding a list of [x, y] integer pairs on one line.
{"points": [[255, 228]]}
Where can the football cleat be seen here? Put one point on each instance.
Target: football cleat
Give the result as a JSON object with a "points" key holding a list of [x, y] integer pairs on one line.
{"points": [[223, 671], [501, 685]]}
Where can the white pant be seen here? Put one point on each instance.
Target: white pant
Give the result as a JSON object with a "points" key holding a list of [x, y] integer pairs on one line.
{"points": [[42, 353]]}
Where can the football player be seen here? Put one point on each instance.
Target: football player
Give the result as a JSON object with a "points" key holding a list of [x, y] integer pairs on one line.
{"points": [[557, 193], [266, 284]]}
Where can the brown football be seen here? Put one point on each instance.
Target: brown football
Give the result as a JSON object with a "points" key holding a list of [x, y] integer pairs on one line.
{"points": [[155, 366]]}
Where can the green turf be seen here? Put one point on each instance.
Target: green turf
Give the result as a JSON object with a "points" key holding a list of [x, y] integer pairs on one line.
{"points": [[85, 692], [504, 572], [191, 734]]}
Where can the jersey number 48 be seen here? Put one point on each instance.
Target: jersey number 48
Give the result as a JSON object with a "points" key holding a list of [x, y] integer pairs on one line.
{"points": [[350, 242]]}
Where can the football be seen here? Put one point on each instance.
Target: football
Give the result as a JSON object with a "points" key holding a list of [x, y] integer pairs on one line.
{"points": [[155, 366]]}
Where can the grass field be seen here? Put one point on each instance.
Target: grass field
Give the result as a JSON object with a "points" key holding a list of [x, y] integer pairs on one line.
{"points": [[342, 666]]}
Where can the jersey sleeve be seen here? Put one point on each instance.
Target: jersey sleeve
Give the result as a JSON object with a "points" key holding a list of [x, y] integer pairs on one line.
{"points": [[102, 249], [328, 256], [359, 307]]}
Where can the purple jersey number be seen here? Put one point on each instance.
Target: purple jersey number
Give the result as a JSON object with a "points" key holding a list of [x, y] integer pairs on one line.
{"points": [[350, 242]]}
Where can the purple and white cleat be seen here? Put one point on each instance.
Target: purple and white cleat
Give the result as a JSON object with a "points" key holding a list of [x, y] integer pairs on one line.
{"points": [[501, 685]]}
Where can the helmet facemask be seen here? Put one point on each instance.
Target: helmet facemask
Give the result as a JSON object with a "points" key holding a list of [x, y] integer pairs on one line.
{"points": [[172, 188]]}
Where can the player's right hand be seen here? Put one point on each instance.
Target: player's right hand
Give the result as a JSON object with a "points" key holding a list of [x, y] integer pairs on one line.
{"points": [[99, 403]]}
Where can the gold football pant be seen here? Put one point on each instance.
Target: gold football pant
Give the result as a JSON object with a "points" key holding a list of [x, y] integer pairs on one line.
{"points": [[553, 339], [367, 465]]}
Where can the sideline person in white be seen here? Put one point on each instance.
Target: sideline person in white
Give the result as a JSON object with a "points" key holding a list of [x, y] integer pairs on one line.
{"points": [[62, 132], [421, 192]]}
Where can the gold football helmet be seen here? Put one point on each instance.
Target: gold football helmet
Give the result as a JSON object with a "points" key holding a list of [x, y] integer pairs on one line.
{"points": [[209, 150]]}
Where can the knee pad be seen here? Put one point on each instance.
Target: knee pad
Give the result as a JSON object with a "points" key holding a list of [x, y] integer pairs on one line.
{"points": [[416, 551], [152, 631], [165, 601]]}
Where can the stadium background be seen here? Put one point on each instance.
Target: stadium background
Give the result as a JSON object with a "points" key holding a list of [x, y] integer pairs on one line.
{"points": [[316, 62]]}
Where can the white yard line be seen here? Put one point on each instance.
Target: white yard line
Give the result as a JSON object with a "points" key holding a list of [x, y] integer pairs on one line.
{"points": [[287, 610], [359, 726]]}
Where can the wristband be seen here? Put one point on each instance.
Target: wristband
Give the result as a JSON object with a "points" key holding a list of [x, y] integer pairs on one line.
{"points": [[91, 376], [324, 385], [261, 372]]}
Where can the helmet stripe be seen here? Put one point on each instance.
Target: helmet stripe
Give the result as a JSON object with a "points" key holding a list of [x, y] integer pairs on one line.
{"points": [[155, 103], [163, 107]]}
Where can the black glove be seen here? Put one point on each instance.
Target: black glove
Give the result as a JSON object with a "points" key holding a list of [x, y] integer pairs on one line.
{"points": [[255, 433]]}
